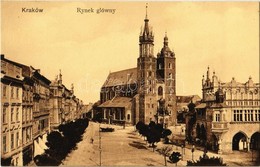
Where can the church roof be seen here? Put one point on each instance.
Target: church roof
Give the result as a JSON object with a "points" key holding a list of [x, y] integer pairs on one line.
{"points": [[128, 76], [187, 99], [202, 105], [117, 102]]}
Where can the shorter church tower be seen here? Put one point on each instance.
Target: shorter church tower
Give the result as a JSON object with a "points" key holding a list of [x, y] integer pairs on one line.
{"points": [[166, 73]]}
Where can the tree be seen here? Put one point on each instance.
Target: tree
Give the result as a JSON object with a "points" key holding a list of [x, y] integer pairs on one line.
{"points": [[165, 152], [153, 136], [206, 161], [175, 157], [165, 134], [61, 143], [57, 146]]}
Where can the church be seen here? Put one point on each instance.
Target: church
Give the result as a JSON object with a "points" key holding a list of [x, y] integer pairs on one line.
{"points": [[145, 93]]}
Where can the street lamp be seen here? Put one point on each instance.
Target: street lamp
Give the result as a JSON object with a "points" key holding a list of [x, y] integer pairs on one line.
{"points": [[192, 151], [184, 147], [182, 152], [100, 150]]}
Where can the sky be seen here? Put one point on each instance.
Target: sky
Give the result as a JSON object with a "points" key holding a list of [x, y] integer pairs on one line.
{"points": [[86, 47]]}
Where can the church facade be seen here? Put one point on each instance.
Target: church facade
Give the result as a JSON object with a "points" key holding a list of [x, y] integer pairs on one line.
{"points": [[145, 93]]}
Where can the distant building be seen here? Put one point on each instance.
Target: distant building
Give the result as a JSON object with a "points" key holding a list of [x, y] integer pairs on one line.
{"points": [[64, 105], [11, 112], [146, 93], [229, 117], [56, 98], [183, 106]]}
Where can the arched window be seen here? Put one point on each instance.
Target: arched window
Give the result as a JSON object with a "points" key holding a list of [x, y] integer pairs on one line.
{"points": [[160, 91], [170, 65]]}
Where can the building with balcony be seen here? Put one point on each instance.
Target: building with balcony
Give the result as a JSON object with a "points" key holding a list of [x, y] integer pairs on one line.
{"points": [[11, 113], [133, 95], [41, 111], [27, 114], [228, 117]]}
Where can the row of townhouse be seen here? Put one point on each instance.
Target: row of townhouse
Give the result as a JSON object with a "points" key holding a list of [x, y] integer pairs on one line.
{"points": [[31, 107]]}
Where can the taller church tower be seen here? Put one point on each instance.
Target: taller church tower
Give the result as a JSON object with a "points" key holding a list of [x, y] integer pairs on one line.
{"points": [[146, 74]]}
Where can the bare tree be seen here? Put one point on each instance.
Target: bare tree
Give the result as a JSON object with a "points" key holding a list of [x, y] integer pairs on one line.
{"points": [[166, 152]]}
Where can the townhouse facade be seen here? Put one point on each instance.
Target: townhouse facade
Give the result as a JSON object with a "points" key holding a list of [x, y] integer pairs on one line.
{"points": [[31, 107], [11, 112]]}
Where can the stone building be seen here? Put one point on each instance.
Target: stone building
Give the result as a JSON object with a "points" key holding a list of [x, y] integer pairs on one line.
{"points": [[229, 117], [27, 115], [64, 105], [41, 111], [183, 103], [56, 102], [30, 103], [133, 95], [11, 112]]}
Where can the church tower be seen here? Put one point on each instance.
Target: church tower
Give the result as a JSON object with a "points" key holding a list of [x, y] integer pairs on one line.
{"points": [[166, 72], [146, 74]]}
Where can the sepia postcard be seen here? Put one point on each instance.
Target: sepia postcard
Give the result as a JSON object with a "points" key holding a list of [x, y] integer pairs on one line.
{"points": [[130, 83]]}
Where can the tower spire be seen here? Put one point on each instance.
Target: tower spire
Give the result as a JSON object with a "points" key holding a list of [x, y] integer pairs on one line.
{"points": [[165, 42], [146, 17]]}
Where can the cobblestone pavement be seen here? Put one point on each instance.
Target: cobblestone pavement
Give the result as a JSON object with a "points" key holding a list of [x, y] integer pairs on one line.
{"points": [[126, 147]]}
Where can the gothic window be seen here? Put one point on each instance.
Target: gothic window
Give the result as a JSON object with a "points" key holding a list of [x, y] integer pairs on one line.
{"points": [[160, 66], [245, 115], [160, 91]]}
